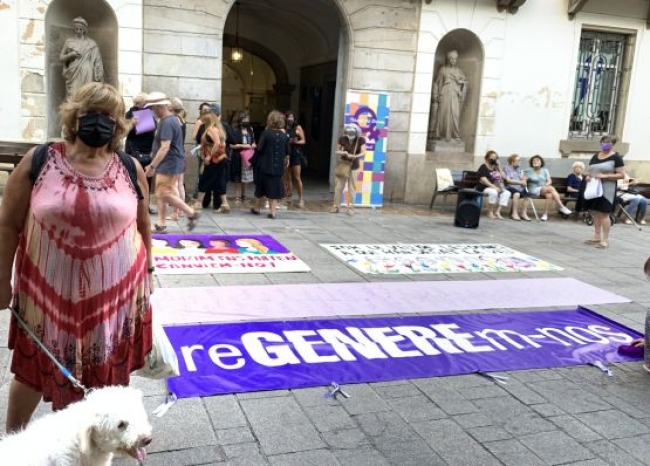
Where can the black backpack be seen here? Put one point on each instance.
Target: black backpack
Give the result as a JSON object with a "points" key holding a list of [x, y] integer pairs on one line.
{"points": [[40, 156]]}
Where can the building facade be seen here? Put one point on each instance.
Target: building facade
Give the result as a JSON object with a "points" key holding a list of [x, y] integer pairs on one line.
{"points": [[541, 77]]}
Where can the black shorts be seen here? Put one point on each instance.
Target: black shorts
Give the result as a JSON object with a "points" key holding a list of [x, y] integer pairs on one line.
{"points": [[523, 193]]}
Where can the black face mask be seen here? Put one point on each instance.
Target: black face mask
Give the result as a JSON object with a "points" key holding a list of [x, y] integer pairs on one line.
{"points": [[95, 129], [290, 123], [493, 161], [245, 124]]}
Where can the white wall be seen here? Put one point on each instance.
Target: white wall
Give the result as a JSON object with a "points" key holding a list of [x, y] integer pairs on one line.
{"points": [[10, 110], [529, 72]]}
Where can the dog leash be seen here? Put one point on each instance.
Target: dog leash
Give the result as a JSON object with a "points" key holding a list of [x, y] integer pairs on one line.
{"points": [[40, 344]]}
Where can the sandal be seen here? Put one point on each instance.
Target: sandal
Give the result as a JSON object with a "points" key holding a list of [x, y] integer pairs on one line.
{"points": [[192, 221], [592, 241], [602, 245], [159, 229], [224, 209]]}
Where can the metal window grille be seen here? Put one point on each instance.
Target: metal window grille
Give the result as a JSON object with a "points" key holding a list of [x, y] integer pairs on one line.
{"points": [[598, 79]]}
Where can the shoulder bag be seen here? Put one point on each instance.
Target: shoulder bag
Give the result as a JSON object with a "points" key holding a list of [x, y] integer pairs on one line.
{"points": [[344, 167]]}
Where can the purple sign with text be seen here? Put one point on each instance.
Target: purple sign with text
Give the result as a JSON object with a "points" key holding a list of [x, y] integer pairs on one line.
{"points": [[212, 253], [251, 356]]}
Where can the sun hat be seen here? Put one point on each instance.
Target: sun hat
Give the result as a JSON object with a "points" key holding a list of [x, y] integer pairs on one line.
{"points": [[157, 98]]}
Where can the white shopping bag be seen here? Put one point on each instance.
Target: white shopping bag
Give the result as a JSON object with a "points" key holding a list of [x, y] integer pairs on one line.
{"points": [[161, 362], [593, 189]]}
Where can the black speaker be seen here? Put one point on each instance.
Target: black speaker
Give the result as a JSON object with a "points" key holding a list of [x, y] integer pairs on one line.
{"points": [[468, 208]]}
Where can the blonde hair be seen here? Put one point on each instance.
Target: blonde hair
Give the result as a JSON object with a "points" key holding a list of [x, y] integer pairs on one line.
{"points": [[256, 244], [275, 120], [177, 107], [211, 120], [90, 98], [512, 158]]}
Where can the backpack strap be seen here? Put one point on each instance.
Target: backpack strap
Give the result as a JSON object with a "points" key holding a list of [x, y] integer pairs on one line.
{"points": [[39, 157], [129, 164]]}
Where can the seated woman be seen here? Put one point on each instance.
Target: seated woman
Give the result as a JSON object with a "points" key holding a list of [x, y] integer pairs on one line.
{"points": [[634, 203], [539, 185], [574, 180], [490, 180], [516, 184]]}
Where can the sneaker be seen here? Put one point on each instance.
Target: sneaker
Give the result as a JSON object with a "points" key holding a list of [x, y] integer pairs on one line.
{"points": [[544, 218], [565, 210]]}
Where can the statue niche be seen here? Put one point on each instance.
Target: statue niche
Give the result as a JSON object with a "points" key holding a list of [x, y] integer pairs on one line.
{"points": [[81, 58], [449, 92]]}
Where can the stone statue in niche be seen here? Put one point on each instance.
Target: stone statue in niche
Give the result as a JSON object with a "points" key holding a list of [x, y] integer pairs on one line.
{"points": [[82, 60], [449, 91]]}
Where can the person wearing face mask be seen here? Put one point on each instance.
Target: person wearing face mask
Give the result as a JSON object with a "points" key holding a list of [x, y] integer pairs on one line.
{"points": [[491, 181], [168, 162], [77, 241], [297, 141], [241, 171], [351, 149], [607, 166], [516, 184], [539, 185]]}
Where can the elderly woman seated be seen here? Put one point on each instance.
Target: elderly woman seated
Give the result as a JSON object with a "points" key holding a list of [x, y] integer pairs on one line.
{"points": [[574, 180], [516, 184], [634, 203], [539, 184]]}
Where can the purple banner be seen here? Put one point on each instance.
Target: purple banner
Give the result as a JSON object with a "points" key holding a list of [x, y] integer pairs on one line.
{"points": [[235, 244], [252, 356]]}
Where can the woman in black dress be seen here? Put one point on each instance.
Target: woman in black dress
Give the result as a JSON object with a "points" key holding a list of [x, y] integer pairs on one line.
{"points": [[270, 160], [607, 165]]}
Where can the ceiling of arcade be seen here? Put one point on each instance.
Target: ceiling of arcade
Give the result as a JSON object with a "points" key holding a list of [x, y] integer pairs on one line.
{"points": [[310, 33]]}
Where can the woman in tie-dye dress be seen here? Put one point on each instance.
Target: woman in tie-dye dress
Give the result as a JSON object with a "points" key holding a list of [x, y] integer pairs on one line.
{"points": [[82, 270]]}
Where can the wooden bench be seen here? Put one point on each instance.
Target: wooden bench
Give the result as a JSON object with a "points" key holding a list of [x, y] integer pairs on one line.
{"points": [[11, 153], [468, 180]]}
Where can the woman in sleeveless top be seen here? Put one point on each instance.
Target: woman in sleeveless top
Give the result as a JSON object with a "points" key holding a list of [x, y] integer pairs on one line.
{"points": [[81, 244], [214, 179]]}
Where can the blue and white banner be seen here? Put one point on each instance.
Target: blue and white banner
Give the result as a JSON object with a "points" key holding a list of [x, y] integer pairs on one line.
{"points": [[252, 356]]}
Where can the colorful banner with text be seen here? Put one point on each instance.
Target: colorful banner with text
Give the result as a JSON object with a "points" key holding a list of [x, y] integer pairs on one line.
{"points": [[207, 253], [370, 112]]}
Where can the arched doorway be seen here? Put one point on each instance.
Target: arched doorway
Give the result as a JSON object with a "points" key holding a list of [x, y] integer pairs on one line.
{"points": [[306, 50], [102, 28]]}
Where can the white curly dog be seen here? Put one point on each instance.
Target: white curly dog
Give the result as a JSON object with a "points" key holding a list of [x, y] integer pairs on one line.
{"points": [[108, 421]]}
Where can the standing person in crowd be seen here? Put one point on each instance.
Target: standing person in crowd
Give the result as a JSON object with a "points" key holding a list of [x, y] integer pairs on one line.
{"points": [[168, 162], [269, 163], [635, 204], [574, 180], [241, 171], [214, 179], [491, 181], [607, 166], [139, 144], [178, 109], [197, 133], [297, 141], [79, 242], [539, 185], [351, 148], [516, 184]]}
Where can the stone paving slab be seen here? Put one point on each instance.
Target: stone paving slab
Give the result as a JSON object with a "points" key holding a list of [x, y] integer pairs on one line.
{"points": [[574, 415]]}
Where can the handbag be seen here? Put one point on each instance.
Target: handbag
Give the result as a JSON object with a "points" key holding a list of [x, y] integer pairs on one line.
{"points": [[343, 169], [593, 189], [161, 362], [345, 166], [246, 156]]}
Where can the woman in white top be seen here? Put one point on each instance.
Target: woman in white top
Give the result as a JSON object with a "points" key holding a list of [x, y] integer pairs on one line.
{"points": [[539, 185]]}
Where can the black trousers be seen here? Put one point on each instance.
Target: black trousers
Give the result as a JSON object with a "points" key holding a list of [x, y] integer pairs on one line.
{"points": [[214, 183]]}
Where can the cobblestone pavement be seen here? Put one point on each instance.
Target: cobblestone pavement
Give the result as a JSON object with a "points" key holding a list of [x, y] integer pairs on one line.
{"points": [[566, 416]]}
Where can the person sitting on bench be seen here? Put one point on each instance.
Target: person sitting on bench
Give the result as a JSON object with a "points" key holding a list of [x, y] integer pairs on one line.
{"points": [[539, 184], [574, 180], [634, 203]]}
